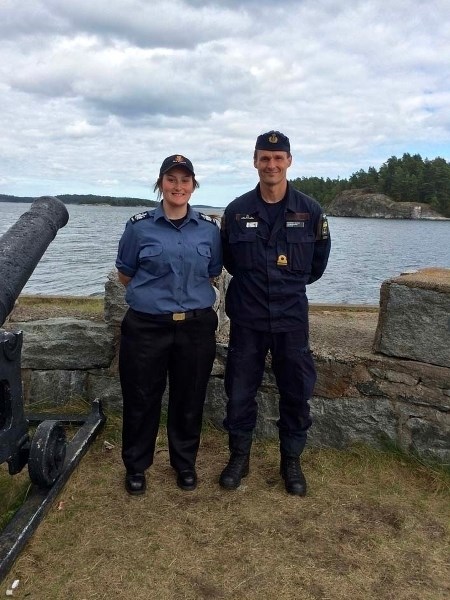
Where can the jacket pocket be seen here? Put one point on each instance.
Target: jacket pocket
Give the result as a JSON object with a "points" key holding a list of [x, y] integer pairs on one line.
{"points": [[300, 248], [243, 248]]}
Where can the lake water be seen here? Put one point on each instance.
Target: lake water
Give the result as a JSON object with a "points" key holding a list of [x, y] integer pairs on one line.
{"points": [[364, 253]]}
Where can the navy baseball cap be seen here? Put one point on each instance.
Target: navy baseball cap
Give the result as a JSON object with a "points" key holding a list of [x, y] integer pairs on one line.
{"points": [[273, 140], [176, 160]]}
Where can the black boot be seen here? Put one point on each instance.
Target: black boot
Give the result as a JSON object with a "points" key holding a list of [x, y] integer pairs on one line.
{"points": [[237, 467], [240, 443], [291, 472], [135, 483]]}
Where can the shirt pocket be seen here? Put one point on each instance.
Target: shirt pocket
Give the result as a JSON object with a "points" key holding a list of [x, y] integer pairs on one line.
{"points": [[300, 248], [243, 248], [151, 259], [203, 259]]}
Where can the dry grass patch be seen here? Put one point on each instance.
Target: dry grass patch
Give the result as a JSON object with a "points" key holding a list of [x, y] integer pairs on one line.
{"points": [[374, 525], [31, 308]]}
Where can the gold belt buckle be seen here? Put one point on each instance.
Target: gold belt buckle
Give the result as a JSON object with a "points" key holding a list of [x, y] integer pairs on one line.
{"points": [[178, 316]]}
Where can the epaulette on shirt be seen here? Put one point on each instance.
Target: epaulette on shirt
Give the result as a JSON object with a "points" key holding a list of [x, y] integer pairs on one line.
{"points": [[140, 216], [208, 218]]}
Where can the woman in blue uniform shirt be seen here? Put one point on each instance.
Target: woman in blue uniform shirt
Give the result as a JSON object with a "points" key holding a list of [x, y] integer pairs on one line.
{"points": [[166, 259]]}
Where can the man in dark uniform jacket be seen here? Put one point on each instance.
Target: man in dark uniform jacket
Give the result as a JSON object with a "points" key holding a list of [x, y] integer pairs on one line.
{"points": [[275, 242]]}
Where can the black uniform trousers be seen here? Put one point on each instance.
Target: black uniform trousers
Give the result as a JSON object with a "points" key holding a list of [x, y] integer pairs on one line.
{"points": [[295, 374], [149, 352]]}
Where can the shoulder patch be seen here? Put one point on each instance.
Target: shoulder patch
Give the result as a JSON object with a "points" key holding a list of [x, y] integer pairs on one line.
{"points": [[214, 220], [140, 216], [323, 231]]}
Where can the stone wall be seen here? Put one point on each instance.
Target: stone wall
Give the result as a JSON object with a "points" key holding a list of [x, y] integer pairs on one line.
{"points": [[415, 317], [361, 394]]}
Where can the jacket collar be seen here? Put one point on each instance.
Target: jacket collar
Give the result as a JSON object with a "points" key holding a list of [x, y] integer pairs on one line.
{"points": [[257, 208]]}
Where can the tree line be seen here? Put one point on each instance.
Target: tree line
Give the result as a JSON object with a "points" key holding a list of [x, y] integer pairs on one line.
{"points": [[86, 199], [109, 200], [405, 179]]}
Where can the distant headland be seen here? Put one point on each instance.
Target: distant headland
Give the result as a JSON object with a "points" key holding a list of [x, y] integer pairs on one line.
{"points": [[93, 200], [367, 204], [88, 199]]}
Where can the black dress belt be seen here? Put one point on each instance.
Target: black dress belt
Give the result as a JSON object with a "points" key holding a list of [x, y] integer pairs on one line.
{"points": [[181, 316]]}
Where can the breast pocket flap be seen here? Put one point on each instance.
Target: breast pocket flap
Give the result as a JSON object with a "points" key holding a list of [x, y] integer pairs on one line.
{"points": [[150, 251], [204, 250]]}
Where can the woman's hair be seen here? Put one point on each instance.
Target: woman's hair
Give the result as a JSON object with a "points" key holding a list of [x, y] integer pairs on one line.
{"points": [[158, 185]]}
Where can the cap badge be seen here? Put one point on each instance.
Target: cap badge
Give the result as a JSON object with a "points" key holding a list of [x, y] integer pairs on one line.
{"points": [[273, 139], [179, 158]]}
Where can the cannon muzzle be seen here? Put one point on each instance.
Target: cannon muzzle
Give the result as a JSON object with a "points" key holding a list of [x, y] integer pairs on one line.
{"points": [[23, 245]]}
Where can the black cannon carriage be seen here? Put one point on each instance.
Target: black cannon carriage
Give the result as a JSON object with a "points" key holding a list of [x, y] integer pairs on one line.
{"points": [[45, 450], [50, 457], [21, 248]]}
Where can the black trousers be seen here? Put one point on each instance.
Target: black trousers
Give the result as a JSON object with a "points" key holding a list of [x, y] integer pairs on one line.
{"points": [[151, 352], [295, 374]]}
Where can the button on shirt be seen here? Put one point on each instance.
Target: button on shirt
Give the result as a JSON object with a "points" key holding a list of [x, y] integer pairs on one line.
{"points": [[272, 264], [170, 266]]}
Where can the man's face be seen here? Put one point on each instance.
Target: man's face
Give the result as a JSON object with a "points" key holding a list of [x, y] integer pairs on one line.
{"points": [[272, 166]]}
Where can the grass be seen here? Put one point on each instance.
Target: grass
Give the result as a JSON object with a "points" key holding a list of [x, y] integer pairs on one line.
{"points": [[85, 302], [43, 307], [374, 525], [13, 491]]}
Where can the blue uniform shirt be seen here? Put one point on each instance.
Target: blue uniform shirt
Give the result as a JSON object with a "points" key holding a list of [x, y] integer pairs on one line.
{"points": [[170, 267], [271, 265]]}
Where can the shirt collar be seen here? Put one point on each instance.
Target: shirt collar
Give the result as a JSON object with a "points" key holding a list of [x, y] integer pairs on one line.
{"points": [[192, 215], [159, 213], [290, 199]]}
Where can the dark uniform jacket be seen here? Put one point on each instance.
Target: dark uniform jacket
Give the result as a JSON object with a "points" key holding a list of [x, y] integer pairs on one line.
{"points": [[271, 268]]}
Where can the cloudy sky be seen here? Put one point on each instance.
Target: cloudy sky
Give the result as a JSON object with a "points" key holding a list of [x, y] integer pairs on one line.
{"points": [[94, 94]]}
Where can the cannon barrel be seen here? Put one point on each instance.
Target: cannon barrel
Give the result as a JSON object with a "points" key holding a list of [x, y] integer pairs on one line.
{"points": [[23, 245]]}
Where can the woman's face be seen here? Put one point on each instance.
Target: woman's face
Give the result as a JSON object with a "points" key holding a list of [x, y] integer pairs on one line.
{"points": [[177, 186]]}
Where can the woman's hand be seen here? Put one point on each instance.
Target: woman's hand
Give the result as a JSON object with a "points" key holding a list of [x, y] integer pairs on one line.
{"points": [[123, 278]]}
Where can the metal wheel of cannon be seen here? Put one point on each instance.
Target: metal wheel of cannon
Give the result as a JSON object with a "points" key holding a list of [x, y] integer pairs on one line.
{"points": [[47, 453]]}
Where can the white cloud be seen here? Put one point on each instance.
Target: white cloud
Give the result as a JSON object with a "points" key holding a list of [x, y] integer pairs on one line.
{"points": [[81, 129], [108, 182], [95, 92]]}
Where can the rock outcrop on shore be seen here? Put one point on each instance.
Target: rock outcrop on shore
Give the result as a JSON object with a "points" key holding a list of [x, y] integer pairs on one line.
{"points": [[366, 204]]}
